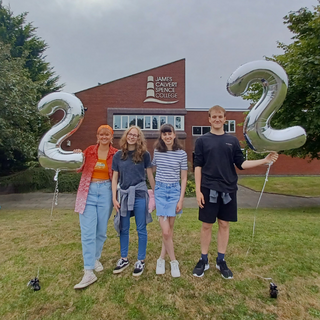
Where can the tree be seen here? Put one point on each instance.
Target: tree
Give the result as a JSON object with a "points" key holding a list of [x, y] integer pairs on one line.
{"points": [[301, 60], [25, 77], [14, 30], [21, 124]]}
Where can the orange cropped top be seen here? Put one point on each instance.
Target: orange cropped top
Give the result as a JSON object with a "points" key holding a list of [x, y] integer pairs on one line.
{"points": [[100, 170]]}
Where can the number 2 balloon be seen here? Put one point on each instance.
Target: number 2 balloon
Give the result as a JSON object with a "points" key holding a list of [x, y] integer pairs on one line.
{"points": [[257, 131], [50, 153]]}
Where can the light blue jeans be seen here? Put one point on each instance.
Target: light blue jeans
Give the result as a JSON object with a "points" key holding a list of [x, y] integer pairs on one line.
{"points": [[139, 210], [94, 221]]}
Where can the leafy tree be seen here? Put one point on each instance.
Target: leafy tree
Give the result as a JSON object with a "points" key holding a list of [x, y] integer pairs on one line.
{"points": [[301, 60], [14, 30], [25, 77], [21, 124]]}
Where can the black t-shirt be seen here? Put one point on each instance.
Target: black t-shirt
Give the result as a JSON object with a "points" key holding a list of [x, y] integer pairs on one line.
{"points": [[217, 155]]}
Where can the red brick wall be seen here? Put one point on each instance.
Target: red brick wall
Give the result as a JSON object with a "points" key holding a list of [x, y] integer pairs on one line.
{"points": [[128, 92]]}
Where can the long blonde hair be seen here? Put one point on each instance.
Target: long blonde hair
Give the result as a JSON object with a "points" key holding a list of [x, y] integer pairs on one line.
{"points": [[141, 145]]}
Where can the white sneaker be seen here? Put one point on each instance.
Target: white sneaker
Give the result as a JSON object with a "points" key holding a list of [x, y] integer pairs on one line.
{"points": [[161, 266], [88, 278], [175, 272], [98, 266]]}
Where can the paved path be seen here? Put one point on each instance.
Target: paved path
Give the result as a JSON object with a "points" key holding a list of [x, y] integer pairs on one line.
{"points": [[246, 199]]}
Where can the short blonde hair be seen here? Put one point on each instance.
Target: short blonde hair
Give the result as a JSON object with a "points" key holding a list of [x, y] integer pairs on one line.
{"points": [[217, 108]]}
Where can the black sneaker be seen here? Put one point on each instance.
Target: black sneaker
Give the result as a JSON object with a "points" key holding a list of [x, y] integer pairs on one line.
{"points": [[224, 270], [138, 268], [121, 265], [200, 268]]}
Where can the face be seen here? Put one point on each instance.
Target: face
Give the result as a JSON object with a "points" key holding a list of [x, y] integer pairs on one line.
{"points": [[132, 136], [168, 138], [104, 136], [217, 119]]}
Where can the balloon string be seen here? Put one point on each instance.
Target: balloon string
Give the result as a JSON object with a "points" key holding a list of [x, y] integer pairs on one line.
{"points": [[257, 206], [260, 276], [56, 191]]}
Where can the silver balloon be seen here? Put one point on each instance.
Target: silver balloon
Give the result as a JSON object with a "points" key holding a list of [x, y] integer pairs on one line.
{"points": [[50, 154], [257, 131]]}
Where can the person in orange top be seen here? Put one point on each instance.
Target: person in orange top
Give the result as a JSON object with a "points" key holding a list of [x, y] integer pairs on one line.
{"points": [[94, 202]]}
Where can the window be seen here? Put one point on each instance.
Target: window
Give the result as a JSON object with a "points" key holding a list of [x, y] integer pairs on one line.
{"points": [[155, 122], [117, 122], [140, 121], [196, 131], [178, 123], [124, 122], [205, 130], [200, 130], [132, 121], [163, 120], [230, 126], [171, 120], [147, 122]]}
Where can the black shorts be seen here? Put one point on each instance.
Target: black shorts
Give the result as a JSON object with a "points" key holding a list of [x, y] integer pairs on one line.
{"points": [[211, 211]]}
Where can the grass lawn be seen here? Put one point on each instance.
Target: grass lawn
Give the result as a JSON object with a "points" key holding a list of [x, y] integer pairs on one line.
{"points": [[285, 248], [307, 186]]}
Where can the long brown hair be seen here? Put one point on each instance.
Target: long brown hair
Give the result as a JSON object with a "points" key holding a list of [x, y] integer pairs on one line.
{"points": [[160, 145], [141, 145]]}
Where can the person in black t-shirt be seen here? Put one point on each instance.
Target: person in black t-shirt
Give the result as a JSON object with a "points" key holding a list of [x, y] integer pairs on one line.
{"points": [[216, 154]]}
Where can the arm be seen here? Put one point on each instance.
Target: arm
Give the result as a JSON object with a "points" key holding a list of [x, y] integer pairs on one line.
{"points": [[271, 157], [197, 178], [115, 177], [84, 159], [184, 175], [150, 177]]}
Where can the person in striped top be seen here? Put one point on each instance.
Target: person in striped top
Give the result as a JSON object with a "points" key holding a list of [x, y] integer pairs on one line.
{"points": [[170, 163]]}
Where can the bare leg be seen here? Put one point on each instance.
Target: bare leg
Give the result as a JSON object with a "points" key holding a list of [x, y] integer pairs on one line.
{"points": [[205, 237], [167, 237], [163, 251], [223, 236]]}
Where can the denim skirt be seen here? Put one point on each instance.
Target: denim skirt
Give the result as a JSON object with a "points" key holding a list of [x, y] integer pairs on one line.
{"points": [[167, 196]]}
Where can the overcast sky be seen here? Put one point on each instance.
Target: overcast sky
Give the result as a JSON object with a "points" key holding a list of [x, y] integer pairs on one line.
{"points": [[93, 41]]}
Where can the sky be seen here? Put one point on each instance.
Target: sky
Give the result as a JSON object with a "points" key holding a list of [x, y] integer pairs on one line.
{"points": [[97, 41]]}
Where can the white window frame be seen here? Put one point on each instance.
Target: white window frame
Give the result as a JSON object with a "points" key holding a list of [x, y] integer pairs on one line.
{"points": [[159, 116]]}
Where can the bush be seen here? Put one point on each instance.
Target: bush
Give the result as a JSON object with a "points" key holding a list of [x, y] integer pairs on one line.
{"points": [[69, 181], [40, 179], [190, 189]]}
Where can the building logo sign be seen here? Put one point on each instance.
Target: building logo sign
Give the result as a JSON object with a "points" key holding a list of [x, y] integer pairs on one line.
{"points": [[161, 90]]}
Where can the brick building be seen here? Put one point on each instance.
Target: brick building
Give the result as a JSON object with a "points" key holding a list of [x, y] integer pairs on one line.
{"points": [[157, 96]]}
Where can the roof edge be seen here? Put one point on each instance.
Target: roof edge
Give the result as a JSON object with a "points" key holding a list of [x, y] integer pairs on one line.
{"points": [[134, 74]]}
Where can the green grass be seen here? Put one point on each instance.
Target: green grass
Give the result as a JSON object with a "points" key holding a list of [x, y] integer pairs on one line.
{"points": [[306, 186], [285, 248]]}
